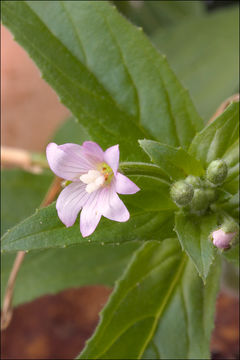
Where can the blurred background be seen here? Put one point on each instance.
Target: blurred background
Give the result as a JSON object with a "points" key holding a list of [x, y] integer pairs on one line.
{"points": [[200, 39]]}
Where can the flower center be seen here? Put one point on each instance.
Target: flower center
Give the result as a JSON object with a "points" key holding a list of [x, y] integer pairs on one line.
{"points": [[97, 178]]}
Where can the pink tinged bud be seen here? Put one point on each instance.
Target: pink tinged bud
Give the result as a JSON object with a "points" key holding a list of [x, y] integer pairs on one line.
{"points": [[221, 239], [95, 182]]}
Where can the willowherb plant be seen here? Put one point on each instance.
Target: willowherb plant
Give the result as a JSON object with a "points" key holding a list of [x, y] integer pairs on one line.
{"points": [[164, 247]]}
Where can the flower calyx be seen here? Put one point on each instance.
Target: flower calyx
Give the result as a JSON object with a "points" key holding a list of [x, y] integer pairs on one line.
{"points": [[217, 172], [181, 193]]}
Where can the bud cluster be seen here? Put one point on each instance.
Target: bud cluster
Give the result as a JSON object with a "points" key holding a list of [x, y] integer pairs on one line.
{"points": [[195, 194]]}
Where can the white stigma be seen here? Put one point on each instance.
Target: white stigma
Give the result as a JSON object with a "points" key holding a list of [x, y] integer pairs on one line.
{"points": [[94, 180]]}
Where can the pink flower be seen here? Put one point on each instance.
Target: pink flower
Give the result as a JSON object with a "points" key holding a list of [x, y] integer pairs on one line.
{"points": [[221, 239], [95, 184]]}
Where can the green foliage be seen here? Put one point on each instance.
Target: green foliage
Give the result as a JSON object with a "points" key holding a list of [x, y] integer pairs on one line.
{"points": [[44, 230], [175, 162], [194, 235], [159, 304], [232, 254], [71, 131], [50, 271], [204, 53], [218, 137], [120, 89], [128, 89], [231, 205], [154, 14], [21, 194], [231, 157]]}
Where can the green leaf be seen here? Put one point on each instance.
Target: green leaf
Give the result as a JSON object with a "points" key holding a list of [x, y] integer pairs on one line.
{"points": [[154, 195], [230, 278], [154, 14], [193, 233], [232, 206], [214, 140], [193, 304], [50, 271], [151, 218], [22, 193], [175, 162], [159, 300], [232, 255], [204, 53], [139, 168], [71, 131], [232, 159], [44, 230], [106, 72]]}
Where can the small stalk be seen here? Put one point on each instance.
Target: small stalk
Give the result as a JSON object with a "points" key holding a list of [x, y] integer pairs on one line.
{"points": [[7, 310]]}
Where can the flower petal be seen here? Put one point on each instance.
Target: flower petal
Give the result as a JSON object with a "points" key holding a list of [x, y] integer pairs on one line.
{"points": [[80, 155], [221, 239], [93, 150], [90, 216], [123, 185], [111, 157], [70, 202], [112, 207], [67, 161]]}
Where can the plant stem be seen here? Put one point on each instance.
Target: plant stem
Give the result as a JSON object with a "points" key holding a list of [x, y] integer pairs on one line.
{"points": [[7, 310], [224, 105], [33, 162]]}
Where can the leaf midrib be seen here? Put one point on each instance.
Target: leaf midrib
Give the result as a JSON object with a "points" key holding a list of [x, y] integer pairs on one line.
{"points": [[60, 226], [110, 99], [159, 313], [170, 292]]}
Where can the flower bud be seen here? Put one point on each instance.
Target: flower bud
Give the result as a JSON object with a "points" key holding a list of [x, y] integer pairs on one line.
{"points": [[181, 193], [217, 172], [221, 239], [193, 180], [200, 201]]}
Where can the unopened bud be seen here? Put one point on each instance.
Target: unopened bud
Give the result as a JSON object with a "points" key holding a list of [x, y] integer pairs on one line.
{"points": [[221, 239], [181, 193], [217, 172], [199, 201], [193, 180]]}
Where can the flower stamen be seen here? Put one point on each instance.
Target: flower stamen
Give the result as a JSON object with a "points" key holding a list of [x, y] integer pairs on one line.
{"points": [[97, 178]]}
